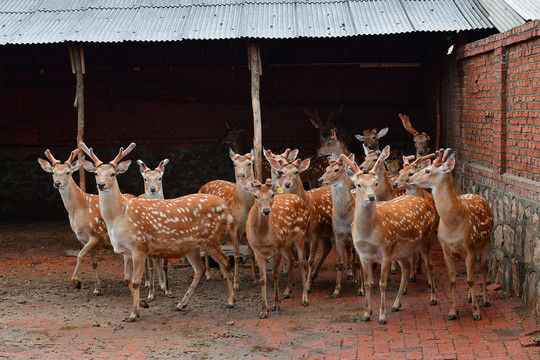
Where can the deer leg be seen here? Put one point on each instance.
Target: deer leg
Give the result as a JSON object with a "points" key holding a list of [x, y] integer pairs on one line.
{"points": [[275, 274], [451, 267], [426, 256], [368, 279], [405, 266], [300, 248], [146, 273], [128, 269], [327, 246], [412, 262], [313, 243], [469, 263], [194, 258], [339, 272], [349, 269], [483, 271], [207, 273], [418, 263], [219, 256], [97, 288], [261, 262], [164, 284], [359, 275], [385, 269], [289, 256], [253, 266], [393, 268], [236, 247], [88, 248], [151, 266], [138, 260]]}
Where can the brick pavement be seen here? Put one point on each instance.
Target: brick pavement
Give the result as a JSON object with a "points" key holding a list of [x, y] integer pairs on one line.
{"points": [[327, 329]]}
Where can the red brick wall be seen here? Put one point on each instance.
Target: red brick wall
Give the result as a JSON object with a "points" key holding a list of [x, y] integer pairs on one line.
{"points": [[493, 109]]}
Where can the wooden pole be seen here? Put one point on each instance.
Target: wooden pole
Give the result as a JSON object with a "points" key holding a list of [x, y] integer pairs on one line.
{"points": [[254, 54], [78, 63]]}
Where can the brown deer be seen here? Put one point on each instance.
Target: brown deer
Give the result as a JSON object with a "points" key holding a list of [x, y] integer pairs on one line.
{"points": [[342, 218], [319, 203], [465, 226], [268, 171], [171, 228], [421, 139], [153, 189], [370, 138], [386, 231], [276, 226], [234, 138], [239, 202], [83, 211]]}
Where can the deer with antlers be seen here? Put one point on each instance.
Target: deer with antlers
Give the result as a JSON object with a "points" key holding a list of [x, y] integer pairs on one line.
{"points": [[465, 226], [386, 231], [276, 226], [83, 211], [239, 202], [171, 228], [370, 138], [421, 139], [153, 189], [234, 138], [342, 218], [319, 203]]}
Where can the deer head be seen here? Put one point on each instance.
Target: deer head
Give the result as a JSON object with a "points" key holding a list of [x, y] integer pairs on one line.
{"points": [[335, 171], [263, 193], [61, 173], [324, 125], [420, 139], [370, 138], [243, 164], [290, 178], [153, 184], [431, 174]]}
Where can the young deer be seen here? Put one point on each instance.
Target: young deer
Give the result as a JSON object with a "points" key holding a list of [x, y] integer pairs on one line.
{"points": [[465, 226], [342, 218], [268, 171], [420, 139], [386, 231], [370, 138], [153, 189], [319, 203], [83, 211], [239, 202], [275, 227], [173, 228]]}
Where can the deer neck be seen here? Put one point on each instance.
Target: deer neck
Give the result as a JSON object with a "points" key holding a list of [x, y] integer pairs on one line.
{"points": [[111, 203], [414, 190], [342, 199], [384, 190], [365, 218], [447, 201], [300, 191], [259, 223], [242, 196], [72, 196], [157, 195]]}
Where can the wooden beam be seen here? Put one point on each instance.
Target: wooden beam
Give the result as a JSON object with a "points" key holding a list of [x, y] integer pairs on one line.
{"points": [[77, 54], [254, 57]]}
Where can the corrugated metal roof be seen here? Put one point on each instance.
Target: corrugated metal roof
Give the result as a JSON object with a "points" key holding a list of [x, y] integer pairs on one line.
{"points": [[55, 21], [527, 9]]}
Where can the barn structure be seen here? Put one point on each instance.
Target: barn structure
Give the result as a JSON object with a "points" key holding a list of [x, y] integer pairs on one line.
{"points": [[168, 75]]}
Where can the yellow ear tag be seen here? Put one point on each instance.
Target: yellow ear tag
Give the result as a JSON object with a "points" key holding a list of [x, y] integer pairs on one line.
{"points": [[279, 190]]}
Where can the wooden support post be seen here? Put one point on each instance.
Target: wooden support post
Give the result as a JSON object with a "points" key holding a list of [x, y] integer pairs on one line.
{"points": [[255, 67], [76, 53]]}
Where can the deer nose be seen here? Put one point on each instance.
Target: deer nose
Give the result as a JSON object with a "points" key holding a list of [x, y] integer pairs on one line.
{"points": [[153, 189], [320, 181], [420, 152], [288, 185], [371, 197], [101, 186], [56, 184], [266, 211], [395, 185]]}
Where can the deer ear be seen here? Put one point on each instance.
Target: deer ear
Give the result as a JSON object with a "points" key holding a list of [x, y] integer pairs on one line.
{"points": [[88, 166], [162, 165], [232, 154], [359, 137], [427, 136], [382, 133], [123, 166], [350, 172], [76, 166], [448, 165], [142, 166], [366, 149], [45, 165], [424, 164], [246, 184], [304, 165], [292, 155]]}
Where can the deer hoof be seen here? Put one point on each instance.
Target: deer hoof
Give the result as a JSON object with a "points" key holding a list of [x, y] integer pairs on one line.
{"points": [[132, 318], [305, 303], [394, 309], [477, 317], [365, 318], [229, 306], [393, 271], [263, 315], [412, 279], [76, 283], [96, 293], [168, 294], [433, 302], [452, 317], [382, 321], [469, 300], [179, 308], [335, 295], [285, 296], [143, 304], [361, 293], [276, 308], [487, 304]]}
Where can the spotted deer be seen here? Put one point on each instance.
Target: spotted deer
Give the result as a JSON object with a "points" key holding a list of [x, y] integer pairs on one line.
{"points": [[386, 231], [163, 228], [239, 202], [268, 171], [421, 139], [465, 226], [342, 218], [83, 211], [319, 203], [153, 189], [276, 226]]}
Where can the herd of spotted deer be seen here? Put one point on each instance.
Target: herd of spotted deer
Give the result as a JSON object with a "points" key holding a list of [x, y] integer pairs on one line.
{"points": [[373, 215]]}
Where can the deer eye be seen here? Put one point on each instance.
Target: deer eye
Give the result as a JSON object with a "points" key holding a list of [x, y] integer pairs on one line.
{"points": [[427, 171], [336, 170], [296, 172], [159, 179], [249, 164], [279, 172], [112, 175], [256, 197], [358, 185], [376, 184], [67, 172], [411, 174], [273, 195]]}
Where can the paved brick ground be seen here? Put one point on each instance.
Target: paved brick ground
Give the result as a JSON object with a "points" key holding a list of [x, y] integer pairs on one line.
{"points": [[327, 329]]}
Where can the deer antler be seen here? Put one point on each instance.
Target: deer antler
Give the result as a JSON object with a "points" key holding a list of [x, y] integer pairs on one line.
{"points": [[90, 152], [162, 164], [314, 116], [72, 156], [143, 165], [121, 154], [51, 158], [406, 159], [447, 153], [269, 182], [351, 164], [335, 113], [420, 159], [407, 124], [438, 160], [384, 154]]}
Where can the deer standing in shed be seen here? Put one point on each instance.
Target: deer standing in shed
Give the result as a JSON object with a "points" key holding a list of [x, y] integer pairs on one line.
{"points": [[276, 226], [239, 202], [342, 218], [465, 226], [370, 138], [234, 137], [83, 211], [153, 189], [171, 228], [319, 203], [390, 230], [421, 139]]}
